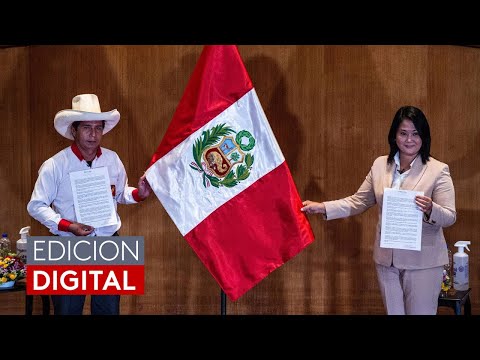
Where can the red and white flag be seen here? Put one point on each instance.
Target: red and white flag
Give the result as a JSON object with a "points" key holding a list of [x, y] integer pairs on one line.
{"points": [[221, 176]]}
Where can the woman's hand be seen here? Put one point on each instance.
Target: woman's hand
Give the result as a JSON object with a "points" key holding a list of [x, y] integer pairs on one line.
{"points": [[424, 203], [312, 207]]}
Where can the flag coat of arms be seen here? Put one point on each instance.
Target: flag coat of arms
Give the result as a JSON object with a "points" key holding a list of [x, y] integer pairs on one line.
{"points": [[221, 176]]}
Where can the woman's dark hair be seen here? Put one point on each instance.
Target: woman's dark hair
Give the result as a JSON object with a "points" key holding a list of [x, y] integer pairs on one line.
{"points": [[421, 125]]}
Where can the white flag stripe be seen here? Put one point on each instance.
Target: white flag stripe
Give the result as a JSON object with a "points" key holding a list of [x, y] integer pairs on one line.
{"points": [[180, 188]]}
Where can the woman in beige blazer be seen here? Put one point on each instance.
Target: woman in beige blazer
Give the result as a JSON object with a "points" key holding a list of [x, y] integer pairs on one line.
{"points": [[409, 280]]}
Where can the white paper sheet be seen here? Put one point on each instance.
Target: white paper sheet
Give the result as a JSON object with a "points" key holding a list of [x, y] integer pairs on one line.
{"points": [[92, 196], [401, 220]]}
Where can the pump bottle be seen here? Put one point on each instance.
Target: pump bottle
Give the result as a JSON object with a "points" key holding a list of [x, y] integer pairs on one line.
{"points": [[460, 266], [22, 244], [5, 243]]}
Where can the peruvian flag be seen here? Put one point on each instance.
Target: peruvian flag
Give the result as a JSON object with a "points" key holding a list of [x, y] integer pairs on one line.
{"points": [[221, 176]]}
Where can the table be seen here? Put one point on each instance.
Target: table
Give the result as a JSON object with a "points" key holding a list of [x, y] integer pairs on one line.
{"points": [[22, 286], [456, 301]]}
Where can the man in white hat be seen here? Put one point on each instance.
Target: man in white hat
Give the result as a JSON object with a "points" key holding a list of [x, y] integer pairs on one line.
{"points": [[52, 202]]}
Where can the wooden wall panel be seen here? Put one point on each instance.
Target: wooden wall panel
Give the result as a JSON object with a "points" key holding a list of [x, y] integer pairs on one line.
{"points": [[15, 154], [330, 108]]}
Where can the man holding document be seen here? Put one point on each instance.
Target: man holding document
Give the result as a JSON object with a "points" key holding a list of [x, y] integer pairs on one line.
{"points": [[77, 189], [416, 200]]}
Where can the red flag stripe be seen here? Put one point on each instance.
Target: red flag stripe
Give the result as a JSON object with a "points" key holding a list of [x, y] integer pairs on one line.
{"points": [[244, 240]]}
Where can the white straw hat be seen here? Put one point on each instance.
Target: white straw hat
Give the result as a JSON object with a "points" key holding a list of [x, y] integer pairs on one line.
{"points": [[85, 107]]}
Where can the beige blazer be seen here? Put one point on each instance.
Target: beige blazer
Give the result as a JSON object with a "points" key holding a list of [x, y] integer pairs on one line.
{"points": [[434, 180]]}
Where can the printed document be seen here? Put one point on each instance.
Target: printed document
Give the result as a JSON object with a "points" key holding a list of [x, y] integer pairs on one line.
{"points": [[401, 220], [92, 197]]}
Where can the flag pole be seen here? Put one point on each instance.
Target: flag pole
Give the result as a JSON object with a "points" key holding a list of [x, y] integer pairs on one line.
{"points": [[223, 303]]}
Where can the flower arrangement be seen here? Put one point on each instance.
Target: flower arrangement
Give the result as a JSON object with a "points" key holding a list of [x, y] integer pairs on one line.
{"points": [[446, 283], [11, 267]]}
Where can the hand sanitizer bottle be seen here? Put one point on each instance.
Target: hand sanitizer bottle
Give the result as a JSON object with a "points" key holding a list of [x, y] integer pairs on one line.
{"points": [[5, 243], [22, 244], [460, 266]]}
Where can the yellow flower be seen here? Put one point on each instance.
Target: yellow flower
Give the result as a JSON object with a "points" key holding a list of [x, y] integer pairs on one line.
{"points": [[11, 267]]}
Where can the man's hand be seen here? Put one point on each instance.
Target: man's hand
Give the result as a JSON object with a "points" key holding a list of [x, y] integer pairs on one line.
{"points": [[80, 229], [144, 189]]}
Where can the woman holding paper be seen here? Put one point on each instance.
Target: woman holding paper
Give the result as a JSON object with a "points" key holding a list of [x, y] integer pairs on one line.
{"points": [[409, 280]]}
